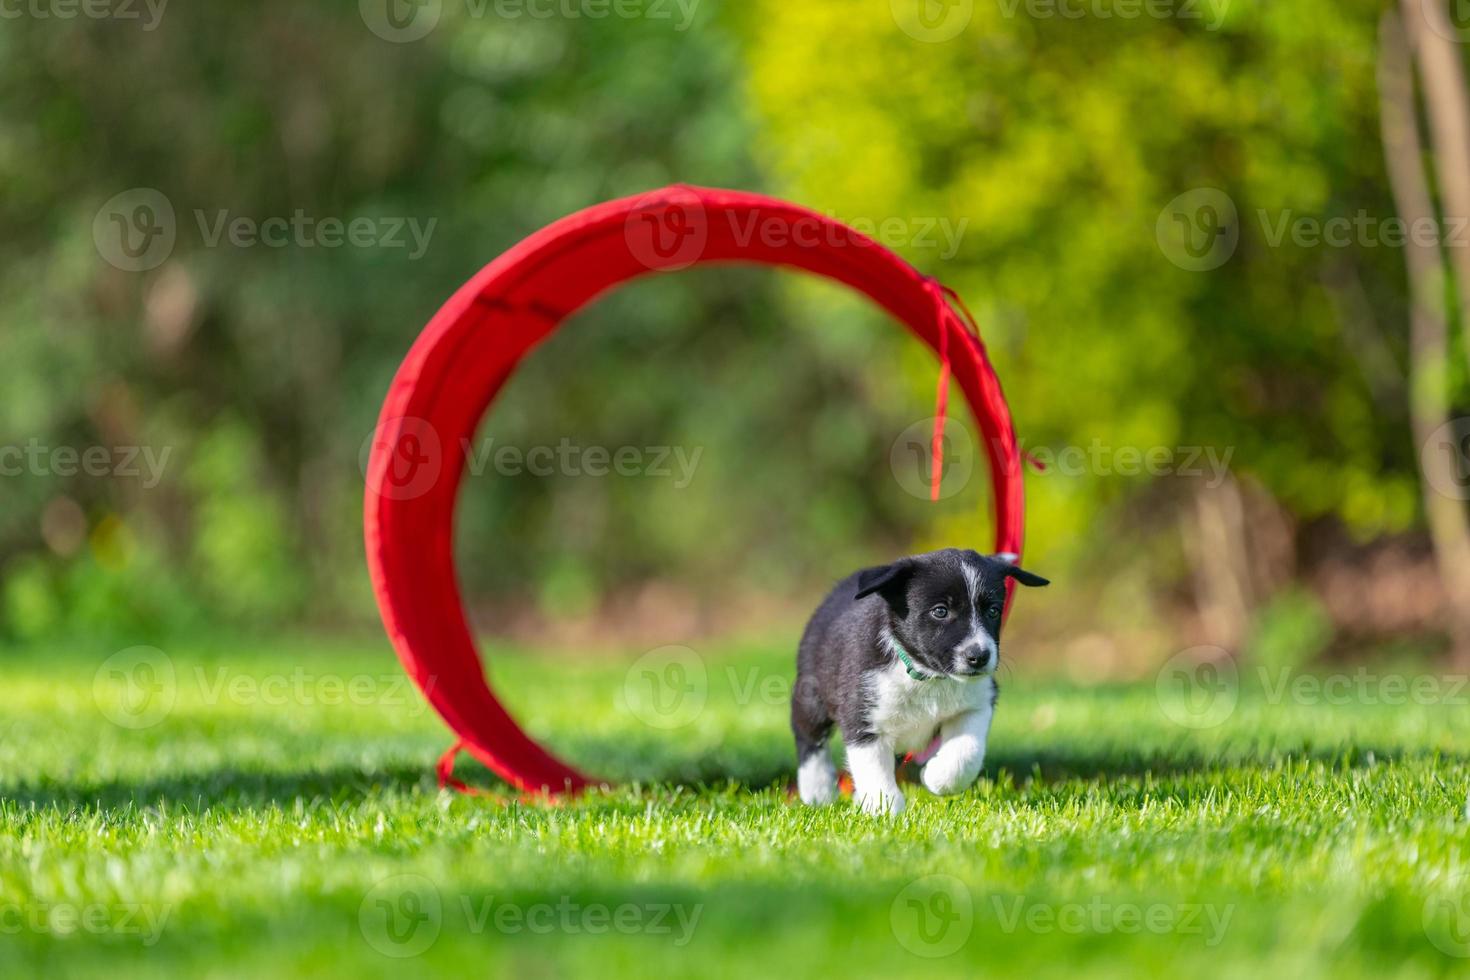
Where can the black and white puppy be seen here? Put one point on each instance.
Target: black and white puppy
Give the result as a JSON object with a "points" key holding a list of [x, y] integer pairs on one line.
{"points": [[893, 656]]}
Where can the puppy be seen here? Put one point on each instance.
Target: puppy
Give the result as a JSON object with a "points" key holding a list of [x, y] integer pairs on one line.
{"points": [[892, 656]]}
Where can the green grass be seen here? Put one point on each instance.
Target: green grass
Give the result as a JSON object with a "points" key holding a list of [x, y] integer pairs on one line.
{"points": [[268, 830]]}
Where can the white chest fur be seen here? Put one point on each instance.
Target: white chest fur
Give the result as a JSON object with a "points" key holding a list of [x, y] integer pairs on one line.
{"points": [[906, 712]]}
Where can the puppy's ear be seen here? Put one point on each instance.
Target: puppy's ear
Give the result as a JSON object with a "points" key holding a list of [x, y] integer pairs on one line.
{"points": [[1025, 577], [1012, 570], [889, 581]]}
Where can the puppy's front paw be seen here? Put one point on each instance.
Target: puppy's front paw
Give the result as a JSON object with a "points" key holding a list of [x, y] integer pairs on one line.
{"points": [[880, 804], [816, 781], [945, 776]]}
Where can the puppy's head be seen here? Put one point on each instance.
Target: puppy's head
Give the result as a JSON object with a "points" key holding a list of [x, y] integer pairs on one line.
{"points": [[944, 607]]}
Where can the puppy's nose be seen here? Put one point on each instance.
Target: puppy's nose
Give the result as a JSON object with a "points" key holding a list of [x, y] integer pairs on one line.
{"points": [[978, 660]]}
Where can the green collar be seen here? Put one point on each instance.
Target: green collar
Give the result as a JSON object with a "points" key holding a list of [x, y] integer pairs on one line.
{"points": [[908, 663]]}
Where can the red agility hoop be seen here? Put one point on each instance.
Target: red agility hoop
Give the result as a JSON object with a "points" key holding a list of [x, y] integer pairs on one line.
{"points": [[468, 350]]}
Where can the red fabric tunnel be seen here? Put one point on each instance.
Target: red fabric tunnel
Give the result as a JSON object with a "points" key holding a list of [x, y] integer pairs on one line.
{"points": [[468, 350]]}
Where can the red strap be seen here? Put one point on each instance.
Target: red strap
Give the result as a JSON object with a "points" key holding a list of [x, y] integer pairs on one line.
{"points": [[445, 769], [947, 300], [944, 297], [941, 405]]}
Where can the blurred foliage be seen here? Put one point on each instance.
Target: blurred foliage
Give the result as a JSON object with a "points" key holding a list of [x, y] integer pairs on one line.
{"points": [[1056, 142], [261, 369], [1061, 139]]}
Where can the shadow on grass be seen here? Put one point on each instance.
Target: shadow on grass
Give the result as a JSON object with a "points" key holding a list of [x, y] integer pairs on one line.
{"points": [[227, 787], [752, 765]]}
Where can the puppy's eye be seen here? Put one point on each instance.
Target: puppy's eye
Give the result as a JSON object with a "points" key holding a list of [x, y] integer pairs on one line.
{"points": [[940, 611]]}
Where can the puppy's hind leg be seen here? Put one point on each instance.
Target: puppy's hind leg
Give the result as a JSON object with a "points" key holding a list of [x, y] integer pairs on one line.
{"points": [[874, 784], [816, 776]]}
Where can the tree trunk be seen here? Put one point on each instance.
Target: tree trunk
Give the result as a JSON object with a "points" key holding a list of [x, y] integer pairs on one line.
{"points": [[1447, 108], [1428, 320]]}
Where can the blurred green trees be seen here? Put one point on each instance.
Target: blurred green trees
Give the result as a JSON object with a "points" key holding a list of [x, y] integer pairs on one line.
{"points": [[1029, 159], [1089, 145]]}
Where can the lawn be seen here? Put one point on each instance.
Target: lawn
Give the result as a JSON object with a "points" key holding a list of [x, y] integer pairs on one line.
{"points": [[269, 810]]}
